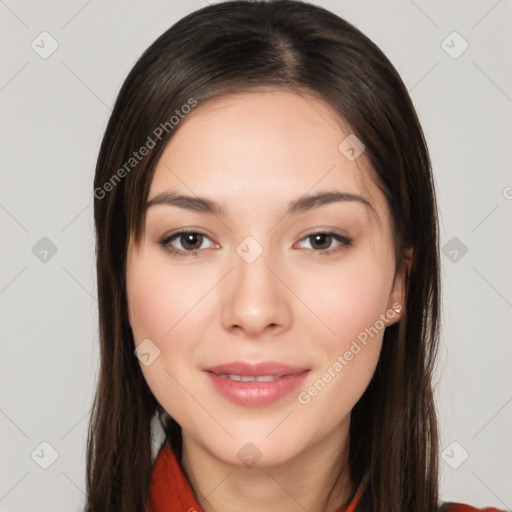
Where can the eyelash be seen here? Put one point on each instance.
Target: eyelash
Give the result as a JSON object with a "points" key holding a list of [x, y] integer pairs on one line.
{"points": [[166, 241]]}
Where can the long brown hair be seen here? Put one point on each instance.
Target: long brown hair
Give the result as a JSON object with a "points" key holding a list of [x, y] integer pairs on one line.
{"points": [[240, 46]]}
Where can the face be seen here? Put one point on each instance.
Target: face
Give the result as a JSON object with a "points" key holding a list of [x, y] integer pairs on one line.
{"points": [[291, 297]]}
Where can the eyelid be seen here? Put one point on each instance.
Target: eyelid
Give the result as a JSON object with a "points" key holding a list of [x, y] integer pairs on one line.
{"points": [[179, 231], [329, 230]]}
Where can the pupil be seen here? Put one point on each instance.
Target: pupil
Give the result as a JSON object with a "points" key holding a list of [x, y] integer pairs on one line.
{"points": [[324, 237], [189, 240]]}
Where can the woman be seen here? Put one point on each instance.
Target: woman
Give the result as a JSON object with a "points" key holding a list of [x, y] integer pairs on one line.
{"points": [[268, 274]]}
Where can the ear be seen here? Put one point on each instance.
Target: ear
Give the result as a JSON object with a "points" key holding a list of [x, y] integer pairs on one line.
{"points": [[398, 295]]}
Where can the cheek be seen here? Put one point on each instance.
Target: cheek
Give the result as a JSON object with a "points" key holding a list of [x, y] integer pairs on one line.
{"points": [[158, 300], [351, 299], [158, 312], [164, 306], [149, 310]]}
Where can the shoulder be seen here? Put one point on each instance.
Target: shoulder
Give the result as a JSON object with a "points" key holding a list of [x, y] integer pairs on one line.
{"points": [[461, 507]]}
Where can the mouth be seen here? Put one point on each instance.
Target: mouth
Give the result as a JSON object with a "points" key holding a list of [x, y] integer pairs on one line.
{"points": [[249, 378], [255, 385]]}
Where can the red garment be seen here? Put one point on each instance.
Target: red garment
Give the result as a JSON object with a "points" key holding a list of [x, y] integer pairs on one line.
{"points": [[171, 492]]}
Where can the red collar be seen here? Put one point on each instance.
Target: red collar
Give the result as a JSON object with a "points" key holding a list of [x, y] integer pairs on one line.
{"points": [[171, 491]]}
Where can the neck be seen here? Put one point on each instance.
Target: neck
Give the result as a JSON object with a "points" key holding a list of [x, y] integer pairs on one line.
{"points": [[316, 480]]}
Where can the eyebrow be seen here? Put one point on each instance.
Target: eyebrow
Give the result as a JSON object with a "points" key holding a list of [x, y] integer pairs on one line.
{"points": [[295, 207]]}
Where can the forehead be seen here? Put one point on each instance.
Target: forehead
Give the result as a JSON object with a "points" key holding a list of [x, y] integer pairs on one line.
{"points": [[262, 146]]}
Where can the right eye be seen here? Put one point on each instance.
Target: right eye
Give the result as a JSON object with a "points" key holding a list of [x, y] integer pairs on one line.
{"points": [[190, 240]]}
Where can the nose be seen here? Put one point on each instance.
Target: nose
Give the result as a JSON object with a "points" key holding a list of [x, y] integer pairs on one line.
{"points": [[255, 298]]}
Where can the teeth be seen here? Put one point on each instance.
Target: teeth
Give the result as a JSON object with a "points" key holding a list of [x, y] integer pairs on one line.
{"points": [[267, 378], [249, 378]]}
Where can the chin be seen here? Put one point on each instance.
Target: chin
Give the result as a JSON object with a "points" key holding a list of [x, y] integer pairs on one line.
{"points": [[257, 451]]}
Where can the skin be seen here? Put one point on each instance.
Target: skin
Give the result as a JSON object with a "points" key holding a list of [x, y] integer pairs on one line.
{"points": [[253, 153]]}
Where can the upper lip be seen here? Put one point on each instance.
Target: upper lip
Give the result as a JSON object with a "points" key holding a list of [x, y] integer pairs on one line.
{"points": [[255, 369]]}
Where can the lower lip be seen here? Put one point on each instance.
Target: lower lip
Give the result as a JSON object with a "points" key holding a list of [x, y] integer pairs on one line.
{"points": [[256, 394]]}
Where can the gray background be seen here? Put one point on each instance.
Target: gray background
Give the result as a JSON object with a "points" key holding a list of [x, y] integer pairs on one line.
{"points": [[53, 114]]}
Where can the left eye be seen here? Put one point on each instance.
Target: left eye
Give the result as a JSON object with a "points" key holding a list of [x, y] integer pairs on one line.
{"points": [[192, 242], [324, 240]]}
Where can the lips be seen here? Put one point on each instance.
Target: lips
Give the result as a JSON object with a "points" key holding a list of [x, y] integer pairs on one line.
{"points": [[255, 384]]}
